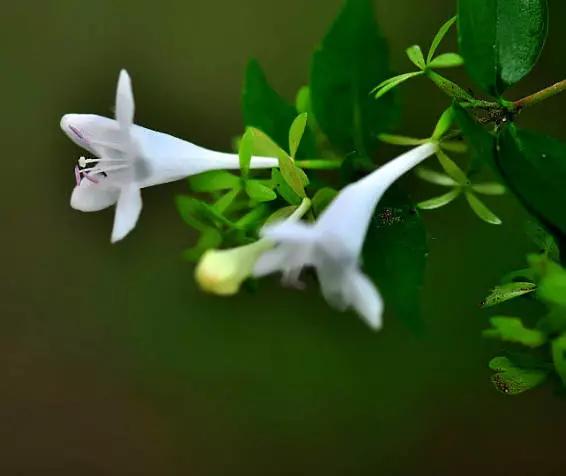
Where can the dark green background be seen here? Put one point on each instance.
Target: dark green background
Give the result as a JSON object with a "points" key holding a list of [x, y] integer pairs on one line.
{"points": [[114, 363]]}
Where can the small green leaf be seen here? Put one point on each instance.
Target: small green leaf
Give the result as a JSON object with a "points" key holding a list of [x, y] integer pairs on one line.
{"points": [[444, 123], [415, 54], [381, 90], [544, 240], [284, 189], [263, 145], [534, 167], [440, 201], [303, 100], [511, 329], [447, 60], [322, 199], [246, 150], [439, 37], [296, 133], [451, 168], [454, 146], [401, 140], [489, 188], [559, 357], [434, 177], [213, 181], [259, 192], [481, 210], [224, 202], [506, 292], [189, 209], [516, 380], [500, 364], [501, 40]]}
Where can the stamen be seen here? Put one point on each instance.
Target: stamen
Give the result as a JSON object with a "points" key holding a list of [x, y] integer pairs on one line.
{"points": [[98, 170], [82, 161], [78, 175]]}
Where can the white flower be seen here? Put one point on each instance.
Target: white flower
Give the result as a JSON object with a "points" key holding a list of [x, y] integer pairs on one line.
{"points": [[222, 272], [333, 244], [129, 157]]}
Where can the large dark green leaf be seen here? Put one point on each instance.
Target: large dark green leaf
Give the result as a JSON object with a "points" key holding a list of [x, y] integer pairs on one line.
{"points": [[265, 110], [501, 40], [352, 59], [480, 141], [395, 253], [534, 166]]}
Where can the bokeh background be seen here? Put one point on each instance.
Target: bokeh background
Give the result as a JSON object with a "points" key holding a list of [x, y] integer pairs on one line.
{"points": [[112, 362]]}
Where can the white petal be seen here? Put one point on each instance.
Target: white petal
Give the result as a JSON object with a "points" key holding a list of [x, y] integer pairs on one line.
{"points": [[92, 197], [270, 262], [125, 101], [291, 232], [100, 135], [128, 210], [364, 297]]}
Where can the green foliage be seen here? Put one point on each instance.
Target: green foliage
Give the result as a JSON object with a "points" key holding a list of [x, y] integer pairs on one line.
{"points": [[265, 110], [513, 380], [501, 40], [511, 329], [351, 60], [534, 167], [508, 291], [395, 255], [444, 29]]}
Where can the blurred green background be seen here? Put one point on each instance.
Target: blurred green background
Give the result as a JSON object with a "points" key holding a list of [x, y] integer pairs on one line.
{"points": [[114, 363]]}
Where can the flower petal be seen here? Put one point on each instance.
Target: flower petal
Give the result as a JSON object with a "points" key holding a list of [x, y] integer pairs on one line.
{"points": [[291, 232], [99, 135], [125, 101], [92, 197], [128, 210], [270, 262]]}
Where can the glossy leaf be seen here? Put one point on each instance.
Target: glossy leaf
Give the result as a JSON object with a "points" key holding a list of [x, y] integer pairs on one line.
{"points": [[481, 143], [439, 37], [508, 291], [501, 40], [534, 167], [352, 59], [395, 254]]}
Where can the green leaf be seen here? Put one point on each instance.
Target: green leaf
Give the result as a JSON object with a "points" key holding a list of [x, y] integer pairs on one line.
{"points": [[284, 189], [213, 181], [434, 177], [263, 145], [259, 192], [322, 199], [559, 356], [281, 214], [489, 188], [481, 143], [394, 255], [296, 133], [415, 54], [506, 292], [440, 201], [552, 288], [447, 60], [209, 238], [303, 100], [439, 37], [515, 380], [534, 167], [444, 123], [382, 89], [224, 202], [501, 40], [352, 59], [189, 209], [400, 140], [265, 110], [246, 150], [481, 210], [454, 146], [451, 168], [511, 329]]}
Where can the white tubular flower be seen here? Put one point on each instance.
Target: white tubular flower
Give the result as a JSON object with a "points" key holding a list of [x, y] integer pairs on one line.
{"points": [[333, 244], [222, 272], [128, 158]]}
